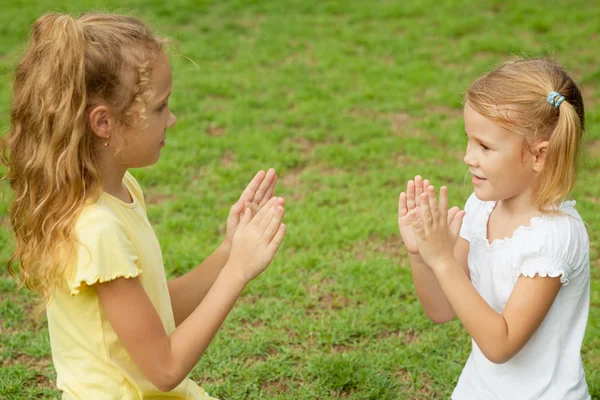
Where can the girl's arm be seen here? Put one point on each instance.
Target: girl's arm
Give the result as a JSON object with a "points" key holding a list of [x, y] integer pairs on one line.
{"points": [[499, 335], [164, 359], [187, 291], [430, 294]]}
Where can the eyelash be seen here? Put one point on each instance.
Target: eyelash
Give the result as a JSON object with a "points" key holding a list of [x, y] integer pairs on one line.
{"points": [[484, 147], [162, 107]]}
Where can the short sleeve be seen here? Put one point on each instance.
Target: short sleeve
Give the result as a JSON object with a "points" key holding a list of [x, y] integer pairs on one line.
{"points": [[105, 251], [560, 249], [466, 229]]}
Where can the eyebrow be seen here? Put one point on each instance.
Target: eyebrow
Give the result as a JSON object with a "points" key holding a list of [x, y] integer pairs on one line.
{"points": [[479, 139]]}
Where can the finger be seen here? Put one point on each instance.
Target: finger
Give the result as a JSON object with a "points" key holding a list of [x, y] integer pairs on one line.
{"points": [[250, 191], [247, 204], [402, 210], [433, 206], [277, 239], [418, 188], [246, 218], [265, 214], [237, 208], [457, 223], [273, 226], [264, 187], [425, 212], [451, 214], [410, 195], [270, 192], [443, 207]]}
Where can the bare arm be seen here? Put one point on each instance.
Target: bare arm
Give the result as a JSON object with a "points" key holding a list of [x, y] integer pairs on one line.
{"points": [[138, 325], [188, 291], [430, 294], [433, 299], [499, 335]]}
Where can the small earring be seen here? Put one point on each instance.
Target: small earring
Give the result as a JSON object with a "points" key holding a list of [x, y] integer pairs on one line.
{"points": [[106, 144]]}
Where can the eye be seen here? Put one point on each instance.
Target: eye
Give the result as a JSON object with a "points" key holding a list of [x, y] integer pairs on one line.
{"points": [[484, 147], [161, 107]]}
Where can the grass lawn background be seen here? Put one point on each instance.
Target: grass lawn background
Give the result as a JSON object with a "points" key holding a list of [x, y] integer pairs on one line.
{"points": [[347, 100]]}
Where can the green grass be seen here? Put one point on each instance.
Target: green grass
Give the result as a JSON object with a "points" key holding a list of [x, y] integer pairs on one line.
{"points": [[347, 100]]}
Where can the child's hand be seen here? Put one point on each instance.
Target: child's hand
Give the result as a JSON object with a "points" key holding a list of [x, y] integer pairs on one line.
{"points": [[435, 237], [408, 211], [255, 196], [257, 239]]}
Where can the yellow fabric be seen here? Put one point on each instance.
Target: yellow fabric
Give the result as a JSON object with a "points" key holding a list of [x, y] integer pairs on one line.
{"points": [[90, 361]]}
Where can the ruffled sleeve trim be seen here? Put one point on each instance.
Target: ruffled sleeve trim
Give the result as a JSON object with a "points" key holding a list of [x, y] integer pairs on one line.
{"points": [[546, 267], [81, 283]]}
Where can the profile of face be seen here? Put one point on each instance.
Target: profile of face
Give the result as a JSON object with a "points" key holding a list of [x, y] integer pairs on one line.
{"points": [[500, 169], [139, 145]]}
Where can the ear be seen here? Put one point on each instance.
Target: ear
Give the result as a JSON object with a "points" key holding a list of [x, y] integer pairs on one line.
{"points": [[101, 121], [539, 151]]}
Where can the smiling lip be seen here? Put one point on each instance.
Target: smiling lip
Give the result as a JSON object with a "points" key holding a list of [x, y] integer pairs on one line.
{"points": [[478, 180]]}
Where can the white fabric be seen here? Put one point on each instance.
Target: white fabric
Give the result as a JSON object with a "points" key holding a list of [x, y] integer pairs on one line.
{"points": [[549, 367]]}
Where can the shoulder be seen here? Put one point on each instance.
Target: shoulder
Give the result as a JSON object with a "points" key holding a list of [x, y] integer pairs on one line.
{"points": [[134, 187], [97, 221], [559, 241], [565, 229]]}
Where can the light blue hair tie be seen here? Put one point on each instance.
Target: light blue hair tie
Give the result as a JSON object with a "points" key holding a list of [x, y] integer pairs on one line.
{"points": [[555, 99]]}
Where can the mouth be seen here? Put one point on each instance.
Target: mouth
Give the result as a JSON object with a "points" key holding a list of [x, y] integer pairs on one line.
{"points": [[477, 179], [163, 142]]}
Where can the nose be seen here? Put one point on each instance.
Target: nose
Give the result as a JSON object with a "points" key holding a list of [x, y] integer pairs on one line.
{"points": [[470, 158], [172, 120]]}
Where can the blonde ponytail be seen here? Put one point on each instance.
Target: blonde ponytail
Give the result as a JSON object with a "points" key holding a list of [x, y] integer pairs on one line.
{"points": [[50, 153], [558, 176]]}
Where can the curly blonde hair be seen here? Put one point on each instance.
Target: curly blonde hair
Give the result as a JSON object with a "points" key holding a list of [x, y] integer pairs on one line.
{"points": [[514, 96], [50, 152]]}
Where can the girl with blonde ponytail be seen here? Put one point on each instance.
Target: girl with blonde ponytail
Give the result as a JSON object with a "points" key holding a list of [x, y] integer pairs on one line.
{"points": [[90, 101], [514, 266]]}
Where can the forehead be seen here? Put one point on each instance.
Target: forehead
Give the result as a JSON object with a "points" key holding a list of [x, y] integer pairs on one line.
{"points": [[480, 127], [161, 78]]}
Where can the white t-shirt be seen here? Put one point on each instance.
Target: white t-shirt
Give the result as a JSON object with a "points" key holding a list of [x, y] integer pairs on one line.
{"points": [[549, 366]]}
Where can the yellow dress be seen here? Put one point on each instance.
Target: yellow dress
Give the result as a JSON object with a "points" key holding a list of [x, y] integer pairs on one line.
{"points": [[90, 361]]}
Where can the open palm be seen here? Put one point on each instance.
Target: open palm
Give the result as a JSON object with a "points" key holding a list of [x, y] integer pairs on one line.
{"points": [[258, 192], [409, 211]]}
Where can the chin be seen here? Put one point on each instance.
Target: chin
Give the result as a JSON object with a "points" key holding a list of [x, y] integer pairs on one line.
{"points": [[483, 196]]}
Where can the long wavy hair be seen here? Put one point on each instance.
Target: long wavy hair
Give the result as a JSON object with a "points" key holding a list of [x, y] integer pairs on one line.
{"points": [[514, 96], [50, 151]]}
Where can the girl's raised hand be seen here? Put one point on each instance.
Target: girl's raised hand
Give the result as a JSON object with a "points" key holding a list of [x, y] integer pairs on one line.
{"points": [[257, 239], [435, 236], [408, 204], [258, 192]]}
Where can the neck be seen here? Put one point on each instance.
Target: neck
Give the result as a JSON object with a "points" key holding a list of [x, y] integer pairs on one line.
{"points": [[112, 175], [518, 205]]}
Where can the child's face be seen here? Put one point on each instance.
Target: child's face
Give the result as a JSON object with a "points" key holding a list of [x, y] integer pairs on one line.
{"points": [[496, 160], [145, 140]]}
